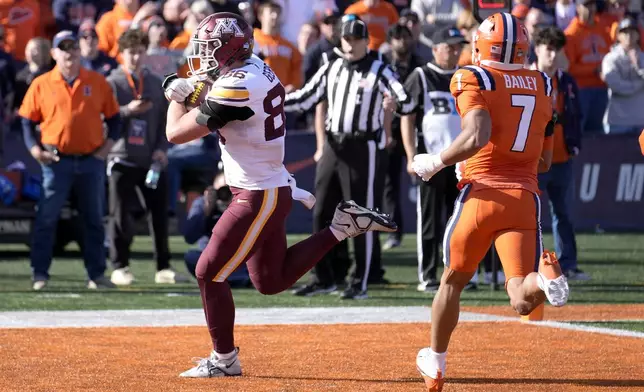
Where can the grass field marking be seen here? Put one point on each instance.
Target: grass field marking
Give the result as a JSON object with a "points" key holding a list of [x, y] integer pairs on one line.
{"points": [[587, 328]]}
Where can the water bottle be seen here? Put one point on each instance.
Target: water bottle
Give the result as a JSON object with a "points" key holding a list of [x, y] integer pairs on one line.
{"points": [[152, 178]]}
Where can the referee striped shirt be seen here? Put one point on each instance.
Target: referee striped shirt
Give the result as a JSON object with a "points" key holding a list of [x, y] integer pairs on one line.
{"points": [[354, 92]]}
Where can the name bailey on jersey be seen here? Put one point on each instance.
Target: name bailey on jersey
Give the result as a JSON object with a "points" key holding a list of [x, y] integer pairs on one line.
{"points": [[525, 82]]}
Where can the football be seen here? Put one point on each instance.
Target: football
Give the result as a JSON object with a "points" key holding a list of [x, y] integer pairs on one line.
{"points": [[202, 87]]}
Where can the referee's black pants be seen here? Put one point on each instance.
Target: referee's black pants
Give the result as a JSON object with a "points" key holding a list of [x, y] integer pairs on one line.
{"points": [[434, 205], [123, 181], [350, 169]]}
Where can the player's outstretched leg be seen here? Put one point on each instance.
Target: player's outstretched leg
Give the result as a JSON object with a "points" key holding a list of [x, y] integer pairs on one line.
{"points": [[549, 282], [274, 268], [431, 361]]}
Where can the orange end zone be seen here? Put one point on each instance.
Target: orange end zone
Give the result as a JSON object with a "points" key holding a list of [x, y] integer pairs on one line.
{"points": [[363, 357]]}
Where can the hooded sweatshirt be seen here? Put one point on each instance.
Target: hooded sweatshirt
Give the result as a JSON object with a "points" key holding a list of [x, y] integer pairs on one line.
{"points": [[586, 46], [626, 86]]}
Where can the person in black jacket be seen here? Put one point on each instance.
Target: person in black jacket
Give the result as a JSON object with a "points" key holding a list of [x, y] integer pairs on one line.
{"points": [[558, 182]]}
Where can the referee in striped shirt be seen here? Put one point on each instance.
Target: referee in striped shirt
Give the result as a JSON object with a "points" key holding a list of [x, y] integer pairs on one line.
{"points": [[352, 165]]}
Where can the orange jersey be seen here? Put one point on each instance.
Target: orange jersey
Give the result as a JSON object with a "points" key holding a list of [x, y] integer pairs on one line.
{"points": [[21, 21], [109, 29], [378, 20], [520, 105], [586, 46], [282, 56]]}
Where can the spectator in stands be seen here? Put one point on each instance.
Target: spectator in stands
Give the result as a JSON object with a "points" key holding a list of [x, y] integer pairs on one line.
{"points": [[160, 60], [175, 13], [142, 145], [7, 82], [520, 11], [198, 11], [559, 181], [314, 56], [39, 61], [309, 34], [281, 55], [623, 72], [125, 14], [467, 25], [91, 57], [70, 104], [403, 61], [587, 42], [379, 15], [437, 14], [620, 11], [565, 12], [22, 21], [422, 48], [204, 213], [69, 14]]}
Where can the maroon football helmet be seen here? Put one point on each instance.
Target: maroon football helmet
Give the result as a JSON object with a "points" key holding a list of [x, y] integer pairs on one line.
{"points": [[219, 40]]}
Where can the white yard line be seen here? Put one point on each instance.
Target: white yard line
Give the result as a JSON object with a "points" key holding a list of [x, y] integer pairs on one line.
{"points": [[251, 316], [264, 316]]}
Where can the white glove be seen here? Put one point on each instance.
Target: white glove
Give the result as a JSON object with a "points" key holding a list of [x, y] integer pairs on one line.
{"points": [[179, 89], [427, 165]]}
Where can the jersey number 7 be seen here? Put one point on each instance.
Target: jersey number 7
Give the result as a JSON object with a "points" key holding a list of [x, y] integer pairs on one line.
{"points": [[526, 102], [274, 110]]}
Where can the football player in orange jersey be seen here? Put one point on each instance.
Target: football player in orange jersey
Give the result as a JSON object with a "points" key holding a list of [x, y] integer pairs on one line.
{"points": [[507, 123]]}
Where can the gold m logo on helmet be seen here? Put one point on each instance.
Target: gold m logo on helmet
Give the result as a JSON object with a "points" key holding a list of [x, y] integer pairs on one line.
{"points": [[227, 26]]}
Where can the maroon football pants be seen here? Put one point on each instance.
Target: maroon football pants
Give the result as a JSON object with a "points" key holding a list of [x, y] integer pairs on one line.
{"points": [[253, 230]]}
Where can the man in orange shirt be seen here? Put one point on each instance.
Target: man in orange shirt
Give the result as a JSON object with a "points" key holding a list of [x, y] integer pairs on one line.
{"points": [[69, 103], [559, 181], [587, 42], [281, 55], [21, 21], [506, 113], [378, 15]]}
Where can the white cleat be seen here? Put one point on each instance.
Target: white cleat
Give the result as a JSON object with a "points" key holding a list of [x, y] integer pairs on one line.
{"points": [[430, 370], [122, 277], [169, 276], [552, 281], [354, 220], [214, 367]]}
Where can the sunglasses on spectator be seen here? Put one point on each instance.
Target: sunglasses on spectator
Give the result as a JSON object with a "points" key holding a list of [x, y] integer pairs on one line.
{"points": [[411, 19], [67, 46], [88, 35]]}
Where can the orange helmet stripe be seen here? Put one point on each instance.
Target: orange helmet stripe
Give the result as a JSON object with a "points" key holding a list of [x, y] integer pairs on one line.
{"points": [[509, 35]]}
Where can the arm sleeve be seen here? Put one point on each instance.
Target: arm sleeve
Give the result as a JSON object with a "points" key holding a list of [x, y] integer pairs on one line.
{"points": [[311, 94], [215, 115], [29, 133], [113, 127], [466, 90], [404, 100]]}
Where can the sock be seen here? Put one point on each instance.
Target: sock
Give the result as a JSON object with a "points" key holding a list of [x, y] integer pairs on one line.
{"points": [[340, 235], [541, 282], [226, 356], [439, 360]]}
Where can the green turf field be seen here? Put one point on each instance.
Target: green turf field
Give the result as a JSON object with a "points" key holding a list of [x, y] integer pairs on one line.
{"points": [[616, 263], [637, 326]]}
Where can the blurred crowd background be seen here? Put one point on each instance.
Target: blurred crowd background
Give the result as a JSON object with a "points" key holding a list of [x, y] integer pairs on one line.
{"points": [[602, 53]]}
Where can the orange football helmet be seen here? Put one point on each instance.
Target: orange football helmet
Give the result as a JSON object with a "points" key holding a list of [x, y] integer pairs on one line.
{"points": [[501, 38]]}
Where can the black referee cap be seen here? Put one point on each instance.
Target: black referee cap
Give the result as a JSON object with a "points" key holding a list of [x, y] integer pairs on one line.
{"points": [[353, 26]]}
